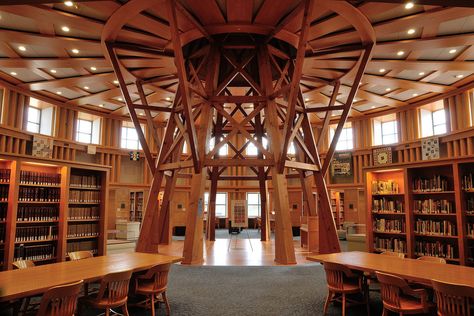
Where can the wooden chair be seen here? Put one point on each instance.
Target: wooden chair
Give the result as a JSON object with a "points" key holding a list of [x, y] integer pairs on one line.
{"points": [[153, 284], [432, 259], [80, 255], [453, 299], [60, 300], [342, 282], [113, 293], [394, 254], [372, 278], [23, 264], [399, 297], [26, 305]]}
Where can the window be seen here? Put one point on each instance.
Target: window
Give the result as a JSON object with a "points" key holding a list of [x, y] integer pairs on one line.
{"points": [[223, 150], [253, 204], [40, 117], [345, 141], [292, 149], [221, 203], [88, 128], [129, 138], [34, 120], [185, 147], [385, 130], [432, 122], [252, 150]]}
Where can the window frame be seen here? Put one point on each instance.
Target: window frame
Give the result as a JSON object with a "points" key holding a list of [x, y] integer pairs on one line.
{"points": [[206, 204], [342, 140], [28, 122], [78, 132], [124, 139], [259, 204]]}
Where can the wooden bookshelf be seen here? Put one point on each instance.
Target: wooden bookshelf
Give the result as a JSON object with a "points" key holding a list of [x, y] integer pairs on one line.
{"points": [[35, 219], [437, 207], [337, 205]]}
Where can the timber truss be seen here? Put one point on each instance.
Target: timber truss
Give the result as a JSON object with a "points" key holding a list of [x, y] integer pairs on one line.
{"points": [[246, 86]]}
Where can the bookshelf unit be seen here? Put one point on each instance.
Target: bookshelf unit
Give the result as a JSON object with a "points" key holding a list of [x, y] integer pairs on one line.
{"points": [[52, 207], [337, 205], [430, 212], [136, 206]]}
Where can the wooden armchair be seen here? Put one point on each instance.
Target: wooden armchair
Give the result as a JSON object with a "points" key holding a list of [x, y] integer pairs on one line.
{"points": [[153, 283], [25, 306], [453, 299], [394, 254], [399, 297], [79, 255], [432, 259], [113, 293], [23, 264], [60, 300], [342, 281]]}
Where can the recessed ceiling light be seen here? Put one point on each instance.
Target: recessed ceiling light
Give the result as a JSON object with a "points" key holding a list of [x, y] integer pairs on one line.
{"points": [[68, 3], [120, 99], [65, 29], [306, 100], [382, 70], [59, 92], [400, 53], [388, 89], [53, 71], [86, 87], [101, 105], [452, 51], [411, 31], [459, 76], [409, 5], [22, 48], [13, 73], [93, 68], [141, 114], [168, 99], [421, 73], [372, 107], [75, 51], [115, 81], [415, 94]]}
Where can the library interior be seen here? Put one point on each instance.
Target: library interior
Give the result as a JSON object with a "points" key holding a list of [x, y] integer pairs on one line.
{"points": [[236, 157]]}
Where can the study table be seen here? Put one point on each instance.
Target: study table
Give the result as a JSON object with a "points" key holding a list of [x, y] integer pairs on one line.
{"points": [[21, 283], [409, 269]]}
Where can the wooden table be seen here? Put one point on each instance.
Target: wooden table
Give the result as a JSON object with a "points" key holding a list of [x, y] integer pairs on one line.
{"points": [[409, 269], [37, 280]]}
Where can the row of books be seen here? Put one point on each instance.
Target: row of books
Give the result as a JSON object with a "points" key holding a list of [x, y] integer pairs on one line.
{"points": [[433, 206], [37, 213], [468, 182], [79, 181], [91, 212], [36, 194], [39, 178], [3, 193], [2, 234], [435, 249], [470, 229], [90, 245], [470, 204], [431, 227], [40, 252], [384, 225], [387, 205], [36, 233], [80, 196], [3, 212], [391, 244], [384, 187], [4, 175], [83, 230], [437, 183]]}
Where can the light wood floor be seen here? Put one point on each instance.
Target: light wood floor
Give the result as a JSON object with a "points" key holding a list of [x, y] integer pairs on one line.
{"points": [[235, 252]]}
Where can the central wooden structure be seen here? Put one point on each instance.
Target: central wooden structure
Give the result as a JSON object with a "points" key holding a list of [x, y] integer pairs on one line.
{"points": [[237, 79]]}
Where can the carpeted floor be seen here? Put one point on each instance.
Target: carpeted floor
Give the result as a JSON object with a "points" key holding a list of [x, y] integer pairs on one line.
{"points": [[277, 290]]}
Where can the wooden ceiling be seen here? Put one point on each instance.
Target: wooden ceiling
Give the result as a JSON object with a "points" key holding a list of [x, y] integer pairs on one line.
{"points": [[55, 50]]}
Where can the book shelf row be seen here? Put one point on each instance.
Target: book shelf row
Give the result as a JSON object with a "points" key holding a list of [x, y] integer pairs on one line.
{"points": [[423, 209], [41, 219]]}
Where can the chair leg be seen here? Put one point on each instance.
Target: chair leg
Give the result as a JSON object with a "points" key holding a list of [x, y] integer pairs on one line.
{"points": [[344, 304], [152, 304], [326, 304], [384, 312], [125, 310], [107, 311], [167, 304]]}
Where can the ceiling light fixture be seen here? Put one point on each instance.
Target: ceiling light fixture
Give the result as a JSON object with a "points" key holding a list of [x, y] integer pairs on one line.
{"points": [[372, 107], [415, 94], [68, 3], [120, 99], [116, 82], [382, 70], [93, 68], [421, 73], [13, 73], [401, 53], [75, 51], [409, 5], [59, 92], [388, 89], [460, 76], [411, 31], [86, 87], [53, 71], [168, 99], [452, 51], [101, 105], [65, 29], [22, 48], [306, 100]]}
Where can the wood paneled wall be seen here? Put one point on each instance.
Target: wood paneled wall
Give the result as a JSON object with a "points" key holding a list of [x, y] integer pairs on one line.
{"points": [[459, 109], [65, 123], [14, 109]]}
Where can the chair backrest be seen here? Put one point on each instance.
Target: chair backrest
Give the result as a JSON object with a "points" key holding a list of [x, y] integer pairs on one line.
{"points": [[159, 274], [391, 287], [335, 274], [394, 254], [79, 255], [23, 264], [114, 286], [452, 299], [60, 300], [432, 259]]}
